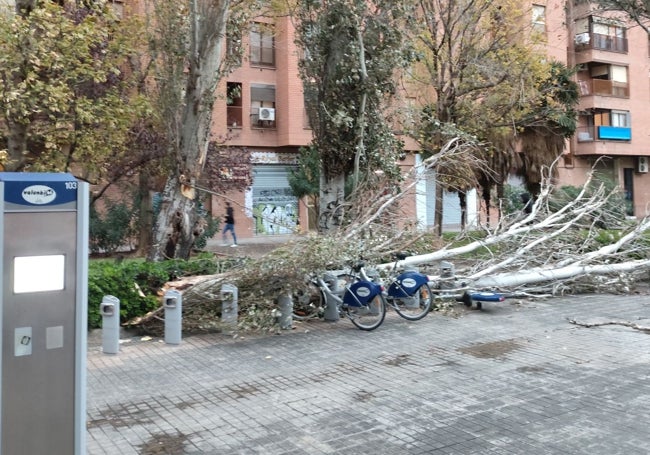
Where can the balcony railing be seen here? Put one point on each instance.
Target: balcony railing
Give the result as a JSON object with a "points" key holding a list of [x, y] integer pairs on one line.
{"points": [[612, 133], [617, 133], [585, 133], [609, 43], [604, 87], [601, 42], [256, 122]]}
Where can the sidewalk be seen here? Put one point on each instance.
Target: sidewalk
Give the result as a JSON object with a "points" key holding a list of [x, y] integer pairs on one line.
{"points": [[249, 247], [515, 378]]}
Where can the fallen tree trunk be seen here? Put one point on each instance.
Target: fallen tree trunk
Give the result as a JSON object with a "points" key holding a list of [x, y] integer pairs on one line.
{"points": [[519, 278]]}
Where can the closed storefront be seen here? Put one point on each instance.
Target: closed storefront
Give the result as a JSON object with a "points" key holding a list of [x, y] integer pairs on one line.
{"points": [[275, 209]]}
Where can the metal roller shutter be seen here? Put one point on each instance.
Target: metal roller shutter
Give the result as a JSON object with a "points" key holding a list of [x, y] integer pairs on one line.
{"points": [[275, 208]]}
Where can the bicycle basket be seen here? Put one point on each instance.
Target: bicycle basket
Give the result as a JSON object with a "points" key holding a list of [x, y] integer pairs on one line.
{"points": [[406, 284], [360, 293]]}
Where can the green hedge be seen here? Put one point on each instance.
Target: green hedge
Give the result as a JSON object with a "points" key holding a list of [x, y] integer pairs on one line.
{"points": [[138, 283]]}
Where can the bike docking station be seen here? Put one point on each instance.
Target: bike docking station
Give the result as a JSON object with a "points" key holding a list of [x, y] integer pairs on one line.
{"points": [[44, 229]]}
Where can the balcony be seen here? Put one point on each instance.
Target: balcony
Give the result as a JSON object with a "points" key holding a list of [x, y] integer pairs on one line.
{"points": [[615, 133], [585, 41], [258, 123], [603, 133], [604, 87], [585, 133]]}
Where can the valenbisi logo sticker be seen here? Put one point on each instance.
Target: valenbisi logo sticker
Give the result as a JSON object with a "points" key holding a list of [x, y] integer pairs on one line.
{"points": [[363, 291], [39, 194], [409, 282]]}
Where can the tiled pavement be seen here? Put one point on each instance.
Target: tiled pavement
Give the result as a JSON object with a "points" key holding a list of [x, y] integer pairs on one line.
{"points": [[515, 378]]}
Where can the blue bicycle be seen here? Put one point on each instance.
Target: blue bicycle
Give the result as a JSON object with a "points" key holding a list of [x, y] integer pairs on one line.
{"points": [[331, 297], [407, 292]]}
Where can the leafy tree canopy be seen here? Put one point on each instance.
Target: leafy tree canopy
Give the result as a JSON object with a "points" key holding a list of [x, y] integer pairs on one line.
{"points": [[66, 92], [352, 50]]}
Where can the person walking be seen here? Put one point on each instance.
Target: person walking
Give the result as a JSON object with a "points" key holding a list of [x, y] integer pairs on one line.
{"points": [[229, 225]]}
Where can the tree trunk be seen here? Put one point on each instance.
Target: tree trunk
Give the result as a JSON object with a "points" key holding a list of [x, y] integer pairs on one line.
{"points": [[462, 196], [174, 238], [485, 193], [176, 225], [514, 279], [332, 197], [438, 211]]}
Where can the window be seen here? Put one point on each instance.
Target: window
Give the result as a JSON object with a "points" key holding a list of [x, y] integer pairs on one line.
{"points": [[539, 18], [310, 97], [234, 49], [234, 105], [262, 106], [262, 45], [621, 119], [612, 118]]}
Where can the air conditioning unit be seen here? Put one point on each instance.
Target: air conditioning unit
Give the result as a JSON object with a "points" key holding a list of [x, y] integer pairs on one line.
{"points": [[582, 38], [643, 164], [267, 113]]}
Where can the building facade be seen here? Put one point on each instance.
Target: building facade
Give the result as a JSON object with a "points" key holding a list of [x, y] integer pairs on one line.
{"points": [[260, 108], [613, 61]]}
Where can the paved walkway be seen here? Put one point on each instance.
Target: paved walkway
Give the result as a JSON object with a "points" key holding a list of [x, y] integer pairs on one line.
{"points": [[515, 378]]}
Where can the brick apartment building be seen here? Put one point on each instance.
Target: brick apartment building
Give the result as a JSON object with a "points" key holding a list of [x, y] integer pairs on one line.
{"points": [[611, 53], [613, 59]]}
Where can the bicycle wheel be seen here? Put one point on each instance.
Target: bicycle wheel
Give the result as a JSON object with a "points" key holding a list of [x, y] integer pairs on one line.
{"points": [[370, 316], [308, 302], [415, 307]]}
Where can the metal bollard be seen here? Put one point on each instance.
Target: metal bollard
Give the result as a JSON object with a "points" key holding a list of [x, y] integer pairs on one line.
{"points": [[331, 313], [173, 304], [110, 311], [447, 269], [229, 306], [447, 275], [285, 304]]}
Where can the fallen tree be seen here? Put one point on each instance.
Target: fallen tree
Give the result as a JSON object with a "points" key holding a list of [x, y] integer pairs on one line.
{"points": [[547, 250], [560, 247]]}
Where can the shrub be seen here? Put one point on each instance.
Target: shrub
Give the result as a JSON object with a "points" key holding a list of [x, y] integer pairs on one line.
{"points": [[111, 229], [611, 216], [211, 228], [137, 283], [129, 281], [512, 199]]}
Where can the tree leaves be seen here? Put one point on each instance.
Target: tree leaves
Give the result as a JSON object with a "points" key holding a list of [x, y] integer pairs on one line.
{"points": [[66, 98]]}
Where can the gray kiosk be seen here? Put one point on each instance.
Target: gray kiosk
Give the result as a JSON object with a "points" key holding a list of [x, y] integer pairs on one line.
{"points": [[44, 249]]}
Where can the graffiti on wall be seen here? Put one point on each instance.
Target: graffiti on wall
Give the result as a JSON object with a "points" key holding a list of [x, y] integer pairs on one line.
{"points": [[275, 211]]}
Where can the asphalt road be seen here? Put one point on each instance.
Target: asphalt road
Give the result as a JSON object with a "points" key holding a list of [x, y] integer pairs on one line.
{"points": [[518, 377]]}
